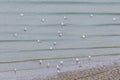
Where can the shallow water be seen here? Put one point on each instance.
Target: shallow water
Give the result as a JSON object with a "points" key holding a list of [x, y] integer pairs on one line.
{"points": [[97, 20]]}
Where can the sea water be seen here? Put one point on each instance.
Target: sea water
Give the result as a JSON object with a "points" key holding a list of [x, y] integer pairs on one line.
{"points": [[29, 28]]}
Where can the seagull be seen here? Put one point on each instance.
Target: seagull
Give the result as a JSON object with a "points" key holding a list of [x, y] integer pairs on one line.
{"points": [[58, 71], [58, 67], [15, 34], [48, 65], [91, 15], [59, 32], [89, 57], [77, 60], [79, 64], [62, 24], [83, 36], [61, 62], [54, 43], [43, 20], [25, 29], [51, 48], [21, 14], [38, 41], [15, 70], [65, 18], [114, 19], [40, 62], [60, 35]]}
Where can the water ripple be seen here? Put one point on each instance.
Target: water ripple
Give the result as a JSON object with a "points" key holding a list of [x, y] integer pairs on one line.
{"points": [[60, 13], [58, 25], [60, 2]]}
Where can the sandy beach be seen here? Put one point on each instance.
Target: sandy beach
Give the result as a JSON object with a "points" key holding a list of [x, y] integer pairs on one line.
{"points": [[99, 73], [96, 68]]}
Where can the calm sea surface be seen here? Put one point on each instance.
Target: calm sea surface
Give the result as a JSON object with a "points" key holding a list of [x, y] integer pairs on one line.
{"points": [[35, 29]]}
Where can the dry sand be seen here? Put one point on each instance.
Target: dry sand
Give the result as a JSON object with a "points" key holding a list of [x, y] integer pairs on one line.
{"points": [[101, 73]]}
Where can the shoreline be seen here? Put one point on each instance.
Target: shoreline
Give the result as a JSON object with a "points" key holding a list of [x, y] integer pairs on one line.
{"points": [[34, 71], [58, 58]]}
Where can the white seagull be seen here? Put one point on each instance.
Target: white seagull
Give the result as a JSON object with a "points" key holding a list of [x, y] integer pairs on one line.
{"points": [[83, 36], [15, 35], [25, 29], [58, 67], [51, 48], [89, 57], [77, 60], [59, 32], [91, 15], [62, 24], [65, 18], [40, 62], [43, 20], [54, 43], [48, 65], [60, 35], [61, 62], [15, 70], [114, 19], [21, 14], [38, 41]]}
